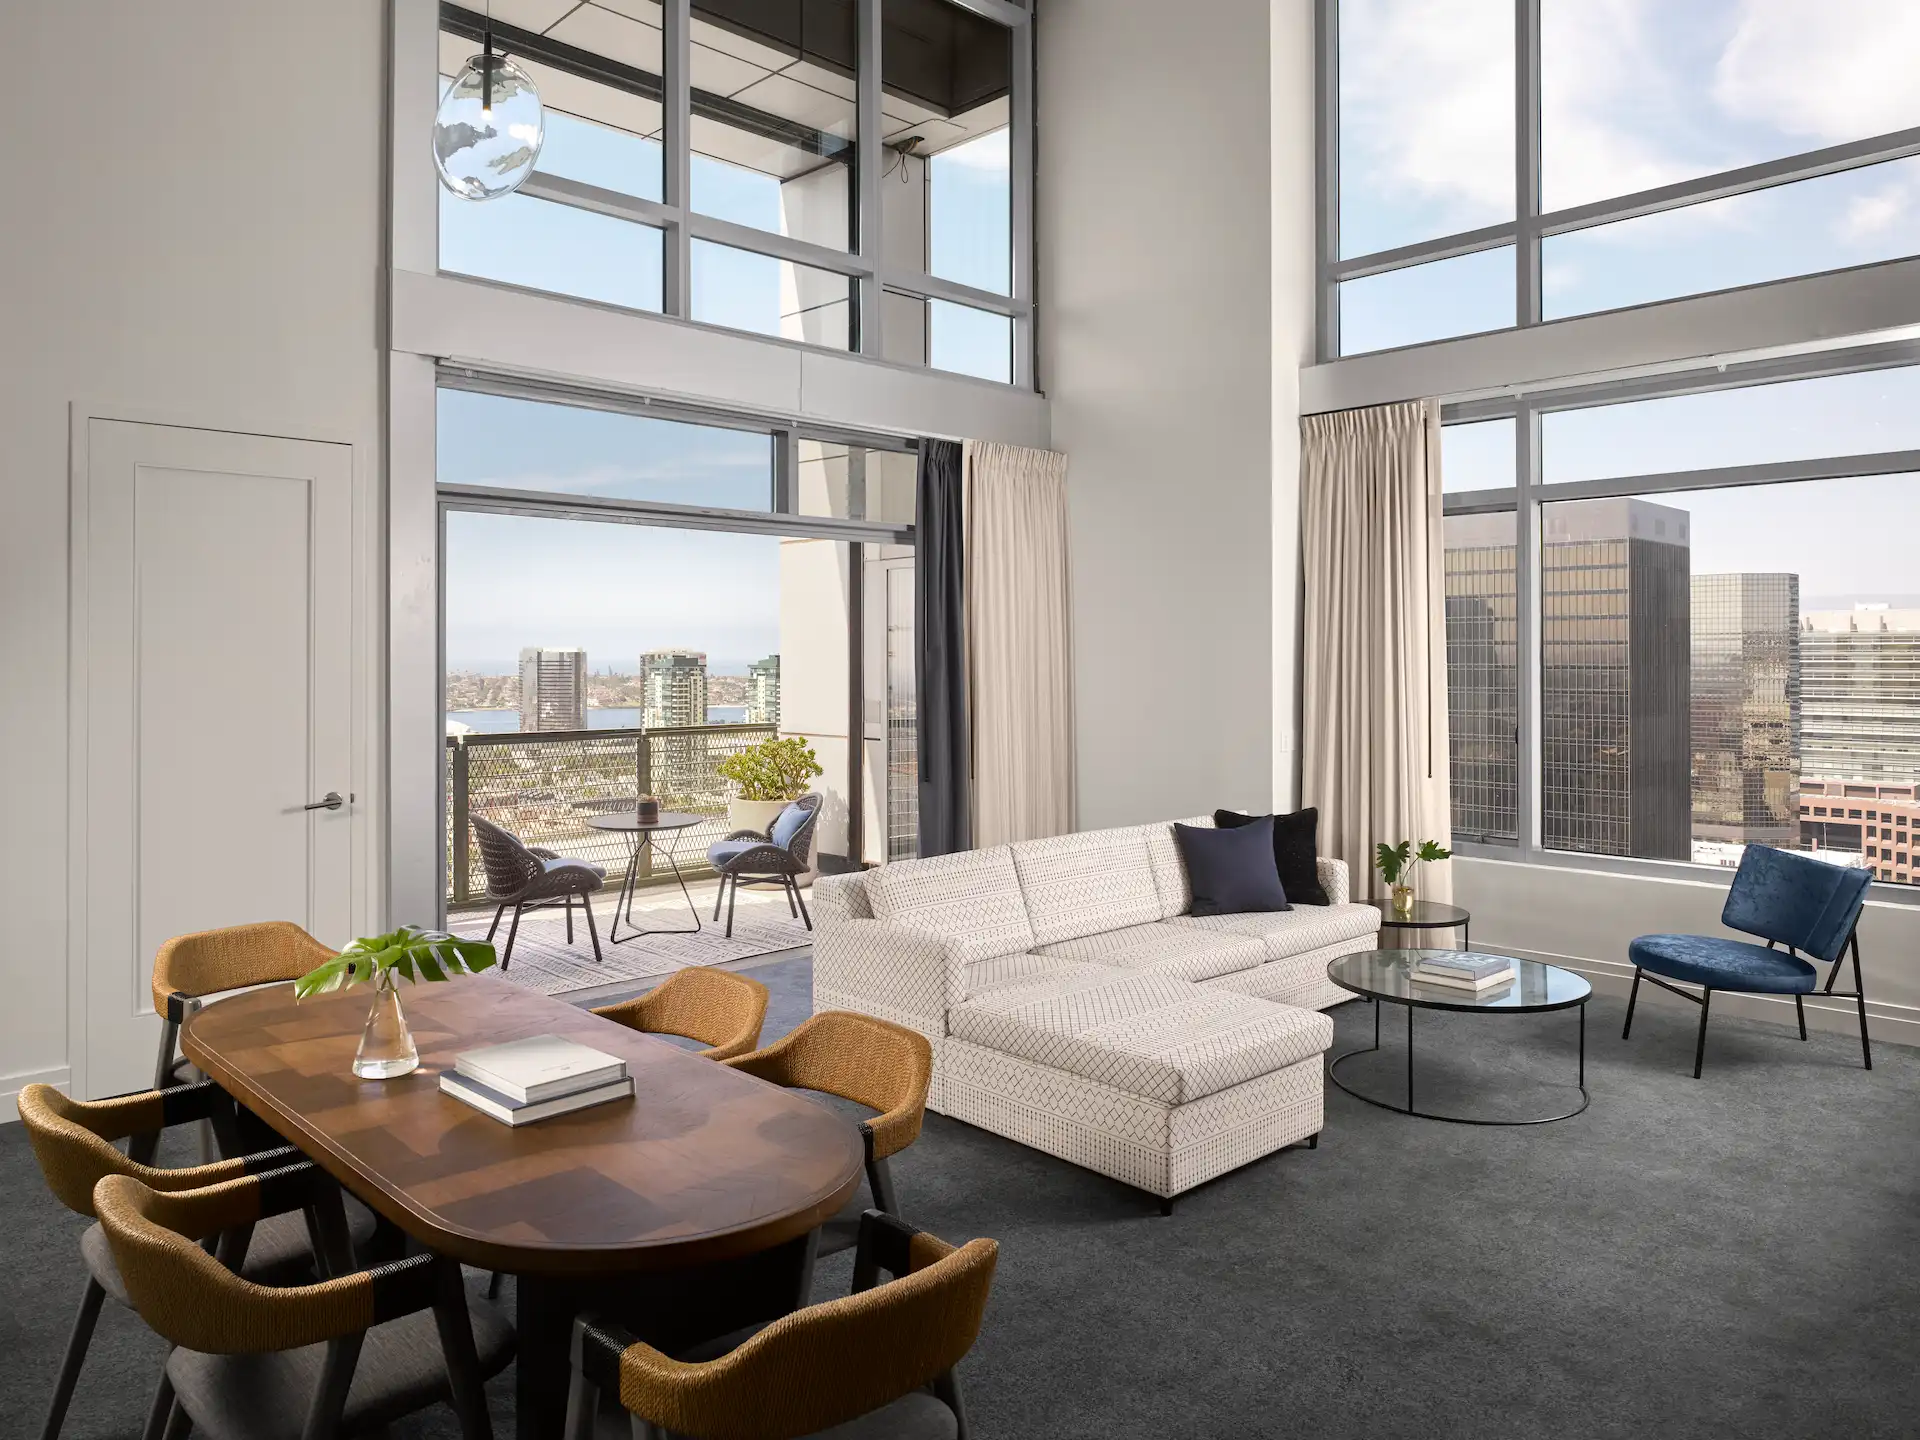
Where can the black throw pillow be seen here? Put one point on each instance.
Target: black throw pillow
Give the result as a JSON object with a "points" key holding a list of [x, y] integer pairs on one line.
{"points": [[1231, 871], [1296, 845]]}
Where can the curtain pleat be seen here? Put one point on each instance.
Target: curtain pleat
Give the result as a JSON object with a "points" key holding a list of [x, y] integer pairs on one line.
{"points": [[940, 652], [1374, 681], [1019, 634]]}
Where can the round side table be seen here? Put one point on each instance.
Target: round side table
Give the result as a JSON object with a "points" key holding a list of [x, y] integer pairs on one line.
{"points": [[1425, 915]]}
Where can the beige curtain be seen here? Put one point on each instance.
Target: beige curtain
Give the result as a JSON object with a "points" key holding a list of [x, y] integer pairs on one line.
{"points": [[1019, 642], [1375, 697]]}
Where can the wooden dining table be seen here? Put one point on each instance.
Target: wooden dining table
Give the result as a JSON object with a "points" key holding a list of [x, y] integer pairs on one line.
{"points": [[683, 1212]]}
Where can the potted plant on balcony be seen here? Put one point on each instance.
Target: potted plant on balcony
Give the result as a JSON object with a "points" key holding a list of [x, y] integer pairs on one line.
{"points": [[767, 777]]}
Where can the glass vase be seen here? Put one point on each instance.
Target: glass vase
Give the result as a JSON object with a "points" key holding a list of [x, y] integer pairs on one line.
{"points": [[386, 1045], [1403, 900]]}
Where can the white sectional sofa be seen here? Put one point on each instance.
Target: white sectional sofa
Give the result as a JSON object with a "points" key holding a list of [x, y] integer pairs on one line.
{"points": [[1073, 1004]]}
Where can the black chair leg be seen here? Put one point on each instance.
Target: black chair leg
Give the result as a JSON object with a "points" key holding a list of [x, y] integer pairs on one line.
{"points": [[1632, 996], [569, 919], [160, 1413], [1700, 1045], [512, 930], [880, 1182], [732, 895], [451, 1319], [801, 901], [1800, 1013], [1860, 999], [496, 923], [586, 904], [76, 1355], [793, 910], [719, 896]]}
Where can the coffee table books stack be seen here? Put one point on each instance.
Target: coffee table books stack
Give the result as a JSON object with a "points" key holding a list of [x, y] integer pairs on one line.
{"points": [[1480, 975], [535, 1079]]}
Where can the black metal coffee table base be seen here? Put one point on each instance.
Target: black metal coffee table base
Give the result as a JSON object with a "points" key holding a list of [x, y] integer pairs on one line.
{"points": [[1333, 1074]]}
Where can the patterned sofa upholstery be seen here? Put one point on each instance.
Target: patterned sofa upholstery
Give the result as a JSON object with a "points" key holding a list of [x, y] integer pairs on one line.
{"points": [[1073, 1004]]}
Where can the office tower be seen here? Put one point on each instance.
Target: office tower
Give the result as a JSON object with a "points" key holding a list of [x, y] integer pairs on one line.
{"points": [[763, 691], [1614, 604], [673, 686], [1860, 695], [553, 689], [1746, 709]]}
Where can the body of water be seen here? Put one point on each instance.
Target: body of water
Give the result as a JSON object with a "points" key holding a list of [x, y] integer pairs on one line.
{"points": [[496, 722]]}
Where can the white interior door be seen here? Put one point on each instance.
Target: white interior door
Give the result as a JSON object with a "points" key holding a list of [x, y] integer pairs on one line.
{"points": [[214, 673]]}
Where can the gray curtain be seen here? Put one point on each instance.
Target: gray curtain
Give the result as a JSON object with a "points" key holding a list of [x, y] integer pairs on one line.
{"points": [[940, 653], [1375, 676]]}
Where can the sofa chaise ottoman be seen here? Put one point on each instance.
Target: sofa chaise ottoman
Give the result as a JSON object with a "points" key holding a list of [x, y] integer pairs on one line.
{"points": [[1073, 1004]]}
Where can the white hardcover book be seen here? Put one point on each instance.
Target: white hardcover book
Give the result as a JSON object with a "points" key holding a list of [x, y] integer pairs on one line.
{"points": [[509, 1111], [540, 1067], [1460, 982]]}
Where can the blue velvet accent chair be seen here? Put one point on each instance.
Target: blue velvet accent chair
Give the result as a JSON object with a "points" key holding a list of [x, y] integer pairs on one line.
{"points": [[779, 857], [1807, 905]]}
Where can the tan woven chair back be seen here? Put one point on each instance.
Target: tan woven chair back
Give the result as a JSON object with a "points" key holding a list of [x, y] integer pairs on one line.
{"points": [[191, 1299], [873, 1062], [826, 1364], [73, 1141], [720, 1009], [239, 955]]}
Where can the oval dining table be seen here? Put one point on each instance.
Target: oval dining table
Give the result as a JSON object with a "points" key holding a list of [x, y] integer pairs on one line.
{"points": [[685, 1211]]}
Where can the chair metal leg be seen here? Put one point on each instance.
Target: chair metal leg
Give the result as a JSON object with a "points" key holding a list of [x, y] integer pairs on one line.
{"points": [[330, 1394], [455, 1326], [786, 886], [586, 904], [1860, 999], [569, 918], [801, 901], [880, 1182], [496, 923], [506, 956], [1800, 1013], [732, 895], [179, 1423], [160, 1413], [1700, 1045], [719, 896], [493, 1286], [946, 1389], [77, 1343], [1632, 996]]}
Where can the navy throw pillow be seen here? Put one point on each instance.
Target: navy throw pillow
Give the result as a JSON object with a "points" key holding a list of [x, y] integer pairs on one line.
{"points": [[1296, 846], [1231, 871]]}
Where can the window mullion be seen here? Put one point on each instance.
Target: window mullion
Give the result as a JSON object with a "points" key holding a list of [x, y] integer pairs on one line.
{"points": [[867, 313], [1526, 613], [1326, 77], [676, 159], [1021, 143], [1526, 150]]}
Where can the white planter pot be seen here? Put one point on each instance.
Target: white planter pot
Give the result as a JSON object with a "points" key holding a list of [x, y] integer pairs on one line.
{"points": [[754, 814]]}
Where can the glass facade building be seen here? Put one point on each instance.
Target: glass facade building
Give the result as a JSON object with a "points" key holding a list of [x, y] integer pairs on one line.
{"points": [[1483, 678], [1746, 708], [1861, 671]]}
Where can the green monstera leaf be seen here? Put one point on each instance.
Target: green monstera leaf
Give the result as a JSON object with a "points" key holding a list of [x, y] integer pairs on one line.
{"points": [[409, 953]]}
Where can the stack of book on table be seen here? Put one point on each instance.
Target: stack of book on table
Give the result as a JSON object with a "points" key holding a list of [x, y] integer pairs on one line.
{"points": [[1463, 970], [535, 1079]]}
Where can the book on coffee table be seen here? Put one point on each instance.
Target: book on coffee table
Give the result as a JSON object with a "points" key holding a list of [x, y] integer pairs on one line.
{"points": [[539, 1068], [1478, 973], [1467, 987], [509, 1111]]}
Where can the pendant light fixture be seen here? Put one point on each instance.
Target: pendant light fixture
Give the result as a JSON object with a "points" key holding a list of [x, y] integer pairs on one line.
{"points": [[488, 131]]}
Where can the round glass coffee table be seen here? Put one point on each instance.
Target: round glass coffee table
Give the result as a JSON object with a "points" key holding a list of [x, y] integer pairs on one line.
{"points": [[1384, 977]]}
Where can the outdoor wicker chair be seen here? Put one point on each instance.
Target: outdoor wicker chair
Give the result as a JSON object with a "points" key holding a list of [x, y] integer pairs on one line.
{"points": [[529, 878], [872, 1062], [887, 1352], [779, 857]]}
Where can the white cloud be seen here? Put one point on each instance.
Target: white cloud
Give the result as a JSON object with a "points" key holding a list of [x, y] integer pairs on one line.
{"points": [[1878, 213], [990, 151], [1829, 70]]}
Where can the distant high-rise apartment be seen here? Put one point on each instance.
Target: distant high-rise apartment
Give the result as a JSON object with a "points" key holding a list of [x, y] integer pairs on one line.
{"points": [[1746, 708], [673, 685], [553, 689], [763, 691], [1860, 695], [1614, 603]]}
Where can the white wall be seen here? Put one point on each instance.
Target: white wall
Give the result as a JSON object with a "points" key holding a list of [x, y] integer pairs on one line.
{"points": [[1169, 368], [1585, 919], [187, 237]]}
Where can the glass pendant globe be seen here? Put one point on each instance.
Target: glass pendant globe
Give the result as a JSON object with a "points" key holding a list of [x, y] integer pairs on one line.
{"points": [[483, 152]]}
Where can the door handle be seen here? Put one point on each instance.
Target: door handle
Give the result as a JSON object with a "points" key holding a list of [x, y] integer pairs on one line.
{"points": [[330, 801]]}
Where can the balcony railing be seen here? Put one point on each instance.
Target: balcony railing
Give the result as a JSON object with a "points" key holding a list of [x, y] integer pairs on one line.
{"points": [[545, 786]]}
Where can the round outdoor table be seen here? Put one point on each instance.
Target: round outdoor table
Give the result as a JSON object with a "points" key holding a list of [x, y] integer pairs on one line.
{"points": [[1385, 977], [641, 840], [1426, 915]]}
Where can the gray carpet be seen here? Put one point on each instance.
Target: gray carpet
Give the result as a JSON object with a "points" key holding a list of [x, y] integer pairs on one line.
{"points": [[1736, 1256]]}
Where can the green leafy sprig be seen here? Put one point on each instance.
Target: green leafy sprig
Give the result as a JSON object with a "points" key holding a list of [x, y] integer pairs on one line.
{"points": [[1392, 861], [409, 953]]}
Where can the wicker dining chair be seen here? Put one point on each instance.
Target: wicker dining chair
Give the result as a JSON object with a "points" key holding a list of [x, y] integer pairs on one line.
{"points": [[887, 1352], [347, 1354], [874, 1063], [777, 857], [73, 1140], [529, 878], [720, 1009], [188, 967]]}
